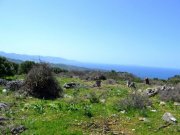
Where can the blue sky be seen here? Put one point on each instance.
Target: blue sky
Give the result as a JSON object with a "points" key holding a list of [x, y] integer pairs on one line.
{"points": [[125, 32]]}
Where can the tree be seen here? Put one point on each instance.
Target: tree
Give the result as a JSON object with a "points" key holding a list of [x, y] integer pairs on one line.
{"points": [[7, 68], [26, 66], [58, 70]]}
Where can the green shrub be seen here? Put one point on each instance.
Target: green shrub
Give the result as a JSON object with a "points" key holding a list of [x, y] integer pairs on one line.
{"points": [[87, 111], [41, 83], [113, 75], [72, 107], [39, 108], [94, 98], [58, 70]]}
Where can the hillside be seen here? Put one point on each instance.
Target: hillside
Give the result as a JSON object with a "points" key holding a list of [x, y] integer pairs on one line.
{"points": [[151, 72], [86, 102]]}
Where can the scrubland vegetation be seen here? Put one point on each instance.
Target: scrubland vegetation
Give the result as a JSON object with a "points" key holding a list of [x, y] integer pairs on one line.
{"points": [[42, 106]]}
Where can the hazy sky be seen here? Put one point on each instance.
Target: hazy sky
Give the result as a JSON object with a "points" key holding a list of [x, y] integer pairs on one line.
{"points": [[126, 32]]}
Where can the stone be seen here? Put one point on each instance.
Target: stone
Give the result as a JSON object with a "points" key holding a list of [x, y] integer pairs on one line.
{"points": [[3, 119], [3, 106], [128, 83], [114, 115], [18, 130], [131, 84], [143, 119], [115, 133], [67, 96], [162, 103], [140, 90], [111, 81], [98, 83], [123, 112], [151, 92], [168, 117], [103, 101], [3, 82], [4, 91], [176, 103], [153, 110], [163, 87]]}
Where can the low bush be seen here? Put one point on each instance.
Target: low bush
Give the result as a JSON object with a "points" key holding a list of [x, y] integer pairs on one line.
{"points": [[87, 111], [170, 94], [174, 80], [41, 83], [133, 101], [93, 98]]}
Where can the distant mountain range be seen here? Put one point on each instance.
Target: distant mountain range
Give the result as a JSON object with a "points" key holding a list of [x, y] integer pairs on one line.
{"points": [[54, 61], [37, 58], [140, 71]]}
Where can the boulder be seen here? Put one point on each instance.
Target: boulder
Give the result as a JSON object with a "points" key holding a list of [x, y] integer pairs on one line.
{"points": [[14, 85], [3, 82], [111, 81], [130, 84], [162, 103], [168, 117], [97, 83], [176, 103], [165, 88], [151, 92], [70, 85]]}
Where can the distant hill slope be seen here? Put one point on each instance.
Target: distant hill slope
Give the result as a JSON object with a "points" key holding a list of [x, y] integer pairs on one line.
{"points": [[37, 58], [15, 60], [18, 58], [163, 73]]}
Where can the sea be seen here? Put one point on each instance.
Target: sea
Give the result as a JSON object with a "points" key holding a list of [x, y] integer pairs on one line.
{"points": [[143, 72]]}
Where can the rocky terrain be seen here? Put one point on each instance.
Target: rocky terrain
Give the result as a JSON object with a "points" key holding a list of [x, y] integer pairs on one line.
{"points": [[112, 107]]}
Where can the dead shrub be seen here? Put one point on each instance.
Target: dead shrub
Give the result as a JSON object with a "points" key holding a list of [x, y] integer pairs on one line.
{"points": [[170, 94], [41, 83], [133, 101]]}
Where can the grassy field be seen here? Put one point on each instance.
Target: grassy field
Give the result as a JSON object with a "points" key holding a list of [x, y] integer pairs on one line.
{"points": [[86, 110]]}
